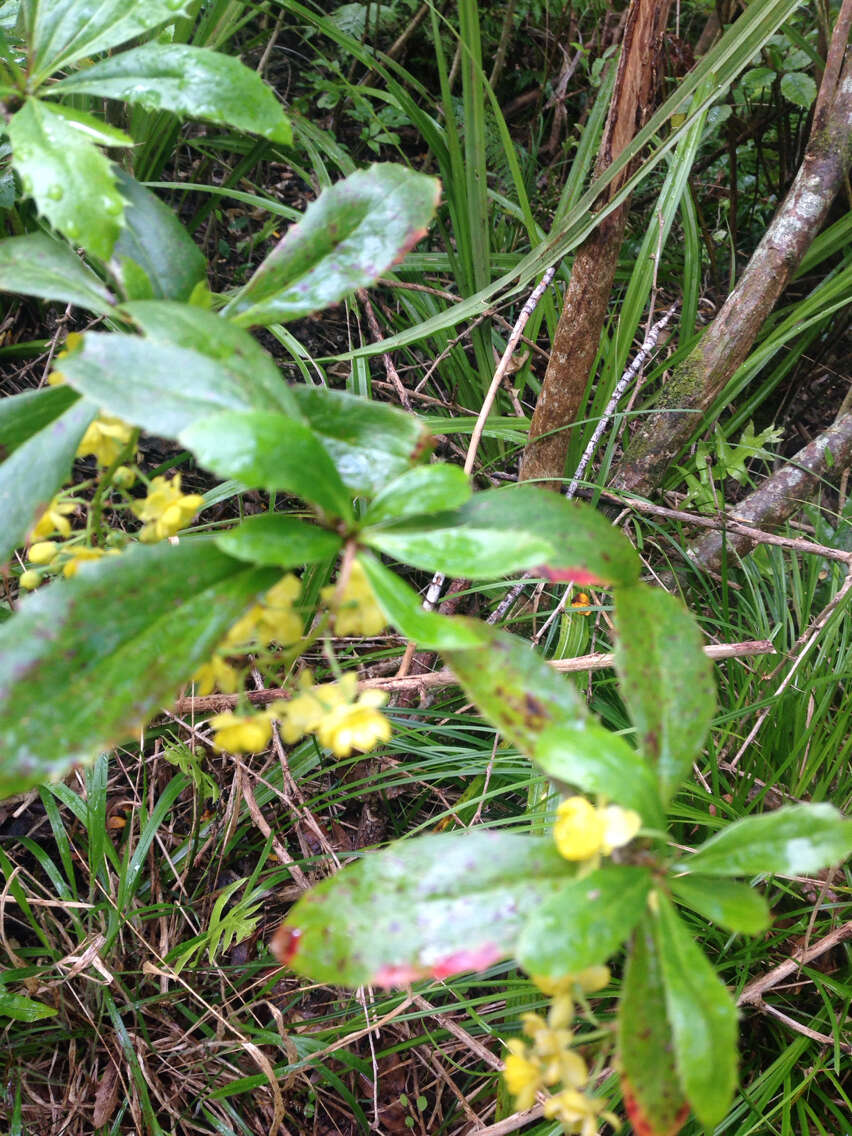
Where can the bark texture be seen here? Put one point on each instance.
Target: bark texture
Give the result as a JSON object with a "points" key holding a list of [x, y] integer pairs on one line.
{"points": [[578, 332], [781, 494], [697, 382]]}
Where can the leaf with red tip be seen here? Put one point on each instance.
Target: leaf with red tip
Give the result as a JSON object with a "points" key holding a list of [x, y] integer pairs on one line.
{"points": [[428, 907]]}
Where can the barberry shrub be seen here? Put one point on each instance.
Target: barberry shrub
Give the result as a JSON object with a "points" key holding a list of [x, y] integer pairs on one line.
{"points": [[128, 603]]}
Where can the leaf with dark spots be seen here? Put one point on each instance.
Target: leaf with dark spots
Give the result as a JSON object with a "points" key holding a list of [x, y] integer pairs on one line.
{"points": [[84, 661], [433, 906]]}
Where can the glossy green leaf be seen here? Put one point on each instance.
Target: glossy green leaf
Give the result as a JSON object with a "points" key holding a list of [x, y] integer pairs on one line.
{"points": [[424, 489], [432, 906], [158, 386], [154, 243], [585, 922], [734, 906], [507, 530], [84, 661], [370, 442], [23, 415], [353, 232], [22, 1009], [595, 760], [68, 177], [276, 538], [799, 88], [39, 265], [93, 129], [193, 82], [653, 1097], [37, 468], [790, 841], [403, 608], [182, 325], [665, 678], [60, 32], [515, 688], [702, 1016], [269, 451]]}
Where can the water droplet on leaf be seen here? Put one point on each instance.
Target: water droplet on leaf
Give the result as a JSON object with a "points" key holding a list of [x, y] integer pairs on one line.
{"points": [[56, 192]]}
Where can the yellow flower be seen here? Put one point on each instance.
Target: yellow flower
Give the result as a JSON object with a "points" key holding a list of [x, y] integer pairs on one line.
{"points": [[620, 826], [579, 829], [357, 613], [581, 600], [216, 675], [356, 726], [243, 631], [105, 438], [166, 509], [589, 980], [522, 1076], [578, 1113], [29, 579], [301, 715], [77, 556], [241, 733], [43, 551], [273, 619], [53, 519]]}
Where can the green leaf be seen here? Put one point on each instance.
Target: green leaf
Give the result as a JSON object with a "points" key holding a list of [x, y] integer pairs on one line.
{"points": [[158, 386], [424, 489], [402, 607], [508, 530], [370, 443], [666, 679], [515, 688], [790, 841], [653, 1097], [348, 237], [39, 265], [268, 451], [595, 760], [38, 467], [67, 176], [433, 906], [276, 538], [702, 1016], [61, 32], [155, 243], [182, 325], [93, 129], [192, 82], [84, 661], [585, 922], [734, 906], [798, 88], [23, 415], [21, 1009]]}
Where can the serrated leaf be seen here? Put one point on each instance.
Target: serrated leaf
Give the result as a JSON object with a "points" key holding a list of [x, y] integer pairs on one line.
{"points": [[22, 1009], [432, 906], [158, 386], [269, 451], [193, 82], [515, 688], [155, 243], [84, 661], [666, 679], [702, 1016], [37, 468], [585, 922], [39, 265], [734, 906], [370, 442], [507, 530], [424, 489], [402, 607], [653, 1097], [68, 177], [798, 88], [167, 321], [595, 760], [354, 231], [61, 32], [276, 538], [791, 841]]}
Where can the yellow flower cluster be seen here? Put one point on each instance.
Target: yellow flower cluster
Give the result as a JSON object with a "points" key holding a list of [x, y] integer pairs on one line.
{"points": [[54, 519], [273, 620], [357, 612], [216, 675], [583, 832], [241, 733], [547, 1059], [104, 439], [166, 509], [48, 551]]}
